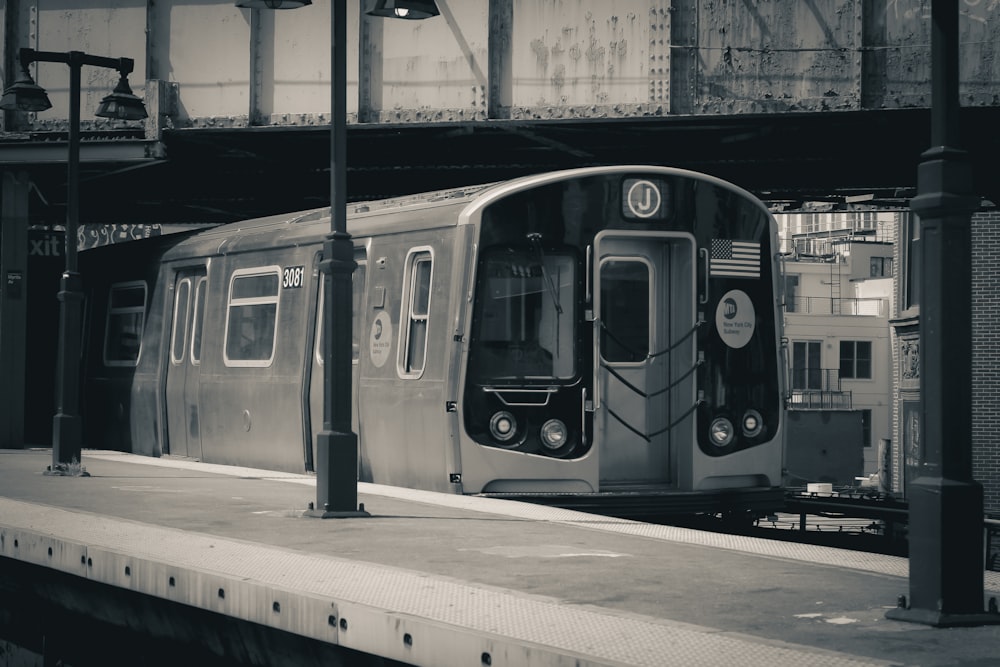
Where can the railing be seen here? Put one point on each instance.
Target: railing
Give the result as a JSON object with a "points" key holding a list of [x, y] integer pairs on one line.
{"points": [[821, 305], [808, 399], [818, 389]]}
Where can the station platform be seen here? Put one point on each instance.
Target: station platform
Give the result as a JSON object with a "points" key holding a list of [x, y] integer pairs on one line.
{"points": [[437, 579]]}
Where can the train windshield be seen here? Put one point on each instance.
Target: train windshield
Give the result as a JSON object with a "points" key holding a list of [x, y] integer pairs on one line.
{"points": [[525, 314]]}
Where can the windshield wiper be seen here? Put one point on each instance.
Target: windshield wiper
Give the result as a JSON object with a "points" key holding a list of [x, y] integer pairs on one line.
{"points": [[536, 241]]}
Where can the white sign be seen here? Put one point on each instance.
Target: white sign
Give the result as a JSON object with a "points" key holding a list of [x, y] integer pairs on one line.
{"points": [[735, 318], [380, 340], [643, 199]]}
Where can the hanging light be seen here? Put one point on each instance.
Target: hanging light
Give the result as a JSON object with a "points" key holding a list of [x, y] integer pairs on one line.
{"points": [[272, 4], [25, 95], [405, 9], [121, 103]]}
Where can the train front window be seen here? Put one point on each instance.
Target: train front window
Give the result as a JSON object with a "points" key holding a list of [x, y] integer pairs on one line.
{"points": [[525, 316]]}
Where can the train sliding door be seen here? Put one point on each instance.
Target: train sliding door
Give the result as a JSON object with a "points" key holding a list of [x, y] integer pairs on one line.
{"points": [[316, 372], [184, 367], [644, 307]]}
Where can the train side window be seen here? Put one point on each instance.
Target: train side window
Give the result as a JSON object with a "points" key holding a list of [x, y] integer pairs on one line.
{"points": [[358, 283], [123, 334], [199, 316], [178, 336], [252, 316], [415, 310]]}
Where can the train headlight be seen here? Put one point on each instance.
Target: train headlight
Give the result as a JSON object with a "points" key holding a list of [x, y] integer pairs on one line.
{"points": [[721, 432], [554, 434], [753, 423], [503, 426]]}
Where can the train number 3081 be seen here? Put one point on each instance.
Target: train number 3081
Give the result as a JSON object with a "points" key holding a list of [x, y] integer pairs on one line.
{"points": [[292, 277]]}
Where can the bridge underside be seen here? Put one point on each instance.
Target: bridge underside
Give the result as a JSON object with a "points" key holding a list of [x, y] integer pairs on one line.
{"points": [[220, 175]]}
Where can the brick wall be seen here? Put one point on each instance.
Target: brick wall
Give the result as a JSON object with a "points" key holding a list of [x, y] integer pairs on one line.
{"points": [[985, 360], [986, 357]]}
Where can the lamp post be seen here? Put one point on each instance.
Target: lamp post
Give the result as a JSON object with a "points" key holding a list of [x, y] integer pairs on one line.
{"points": [[337, 444], [26, 95]]}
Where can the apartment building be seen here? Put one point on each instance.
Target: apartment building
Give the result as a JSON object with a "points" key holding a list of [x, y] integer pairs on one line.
{"points": [[838, 273]]}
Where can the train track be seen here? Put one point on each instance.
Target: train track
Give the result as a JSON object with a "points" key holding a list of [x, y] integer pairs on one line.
{"points": [[854, 519]]}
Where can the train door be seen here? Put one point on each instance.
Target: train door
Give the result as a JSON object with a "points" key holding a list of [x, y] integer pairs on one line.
{"points": [[643, 303], [316, 373], [184, 367]]}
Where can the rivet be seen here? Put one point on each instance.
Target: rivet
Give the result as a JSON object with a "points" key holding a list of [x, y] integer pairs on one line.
{"points": [[486, 659], [408, 639], [128, 571], [276, 607], [331, 620], [172, 582], [343, 624], [50, 552], [222, 594]]}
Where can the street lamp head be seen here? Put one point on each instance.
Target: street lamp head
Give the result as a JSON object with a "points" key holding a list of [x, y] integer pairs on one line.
{"points": [[272, 4], [25, 95], [404, 9], [121, 104]]}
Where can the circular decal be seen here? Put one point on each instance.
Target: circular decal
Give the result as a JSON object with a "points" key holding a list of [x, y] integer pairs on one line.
{"points": [[643, 199], [380, 341], [735, 318]]}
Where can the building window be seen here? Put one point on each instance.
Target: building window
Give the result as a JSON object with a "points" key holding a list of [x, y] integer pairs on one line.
{"points": [[415, 310], [806, 371], [866, 428], [123, 335], [881, 267], [791, 294], [910, 247], [856, 359], [252, 316]]}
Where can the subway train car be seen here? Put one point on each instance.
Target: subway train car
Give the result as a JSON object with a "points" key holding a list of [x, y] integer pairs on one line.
{"points": [[605, 337]]}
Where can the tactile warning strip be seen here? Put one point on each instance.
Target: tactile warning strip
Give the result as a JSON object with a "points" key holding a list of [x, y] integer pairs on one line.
{"points": [[874, 563]]}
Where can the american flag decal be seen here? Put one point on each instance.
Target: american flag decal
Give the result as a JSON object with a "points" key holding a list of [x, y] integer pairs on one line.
{"points": [[735, 259]]}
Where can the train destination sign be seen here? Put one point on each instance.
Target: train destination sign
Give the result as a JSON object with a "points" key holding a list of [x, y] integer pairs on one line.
{"points": [[643, 199]]}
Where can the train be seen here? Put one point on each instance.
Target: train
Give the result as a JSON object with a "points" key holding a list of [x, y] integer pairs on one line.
{"points": [[599, 338]]}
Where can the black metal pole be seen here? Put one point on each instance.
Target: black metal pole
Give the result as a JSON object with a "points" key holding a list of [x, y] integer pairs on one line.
{"points": [[337, 445], [945, 502], [66, 424]]}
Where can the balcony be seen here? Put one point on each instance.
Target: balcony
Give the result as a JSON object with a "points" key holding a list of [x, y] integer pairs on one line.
{"points": [[824, 305], [818, 389]]}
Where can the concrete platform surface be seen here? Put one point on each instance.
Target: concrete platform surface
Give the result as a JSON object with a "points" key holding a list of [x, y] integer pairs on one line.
{"points": [[439, 579]]}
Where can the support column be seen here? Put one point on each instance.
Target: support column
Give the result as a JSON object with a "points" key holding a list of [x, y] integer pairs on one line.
{"points": [[13, 305], [945, 502]]}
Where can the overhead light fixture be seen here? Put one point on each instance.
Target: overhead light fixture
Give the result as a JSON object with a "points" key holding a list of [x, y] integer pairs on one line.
{"points": [[405, 9], [25, 95], [272, 4], [122, 104]]}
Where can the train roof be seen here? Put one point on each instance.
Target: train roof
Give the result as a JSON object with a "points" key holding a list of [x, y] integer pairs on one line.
{"points": [[423, 210]]}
